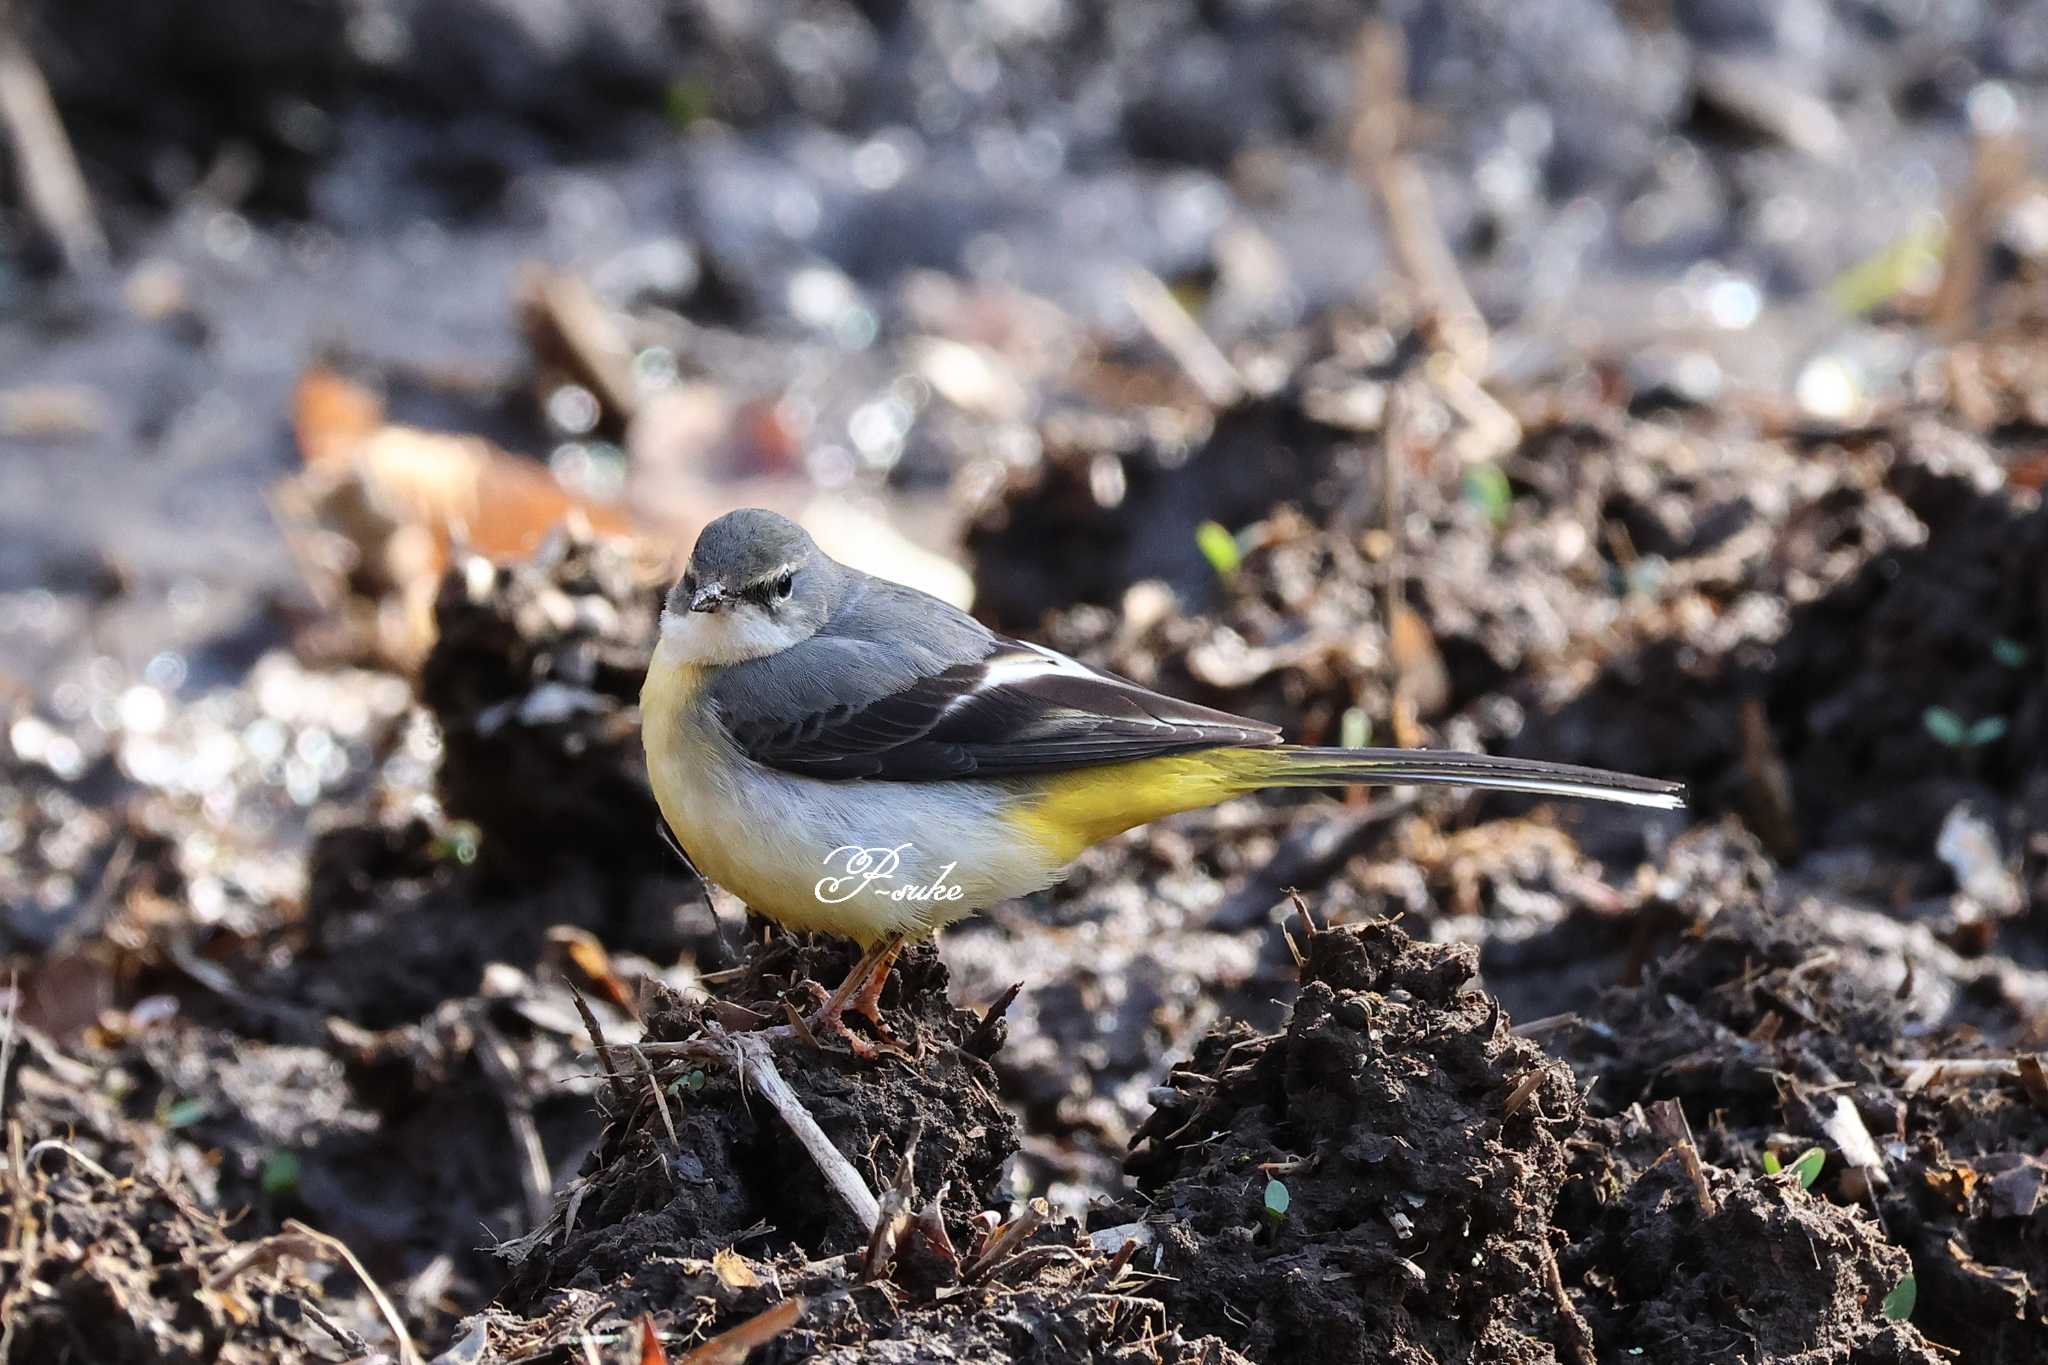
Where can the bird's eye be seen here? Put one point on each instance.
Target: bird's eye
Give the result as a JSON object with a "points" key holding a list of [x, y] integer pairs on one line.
{"points": [[689, 584], [785, 584]]}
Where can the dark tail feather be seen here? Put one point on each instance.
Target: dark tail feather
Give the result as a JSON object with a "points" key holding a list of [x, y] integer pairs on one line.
{"points": [[1296, 766]]}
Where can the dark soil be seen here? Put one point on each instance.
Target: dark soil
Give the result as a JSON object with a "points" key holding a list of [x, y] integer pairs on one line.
{"points": [[1415, 1147], [699, 1210]]}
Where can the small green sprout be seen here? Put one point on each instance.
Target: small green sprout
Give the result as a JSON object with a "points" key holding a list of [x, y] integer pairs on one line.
{"points": [[1355, 730], [280, 1173], [1220, 548], [1952, 730], [1486, 488], [1277, 1200], [1894, 269], [1771, 1163], [458, 843], [2009, 652], [1898, 1305], [688, 101], [184, 1113], [1807, 1167]]}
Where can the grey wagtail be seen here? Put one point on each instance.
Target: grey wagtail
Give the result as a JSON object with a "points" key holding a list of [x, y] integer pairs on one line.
{"points": [[847, 754]]}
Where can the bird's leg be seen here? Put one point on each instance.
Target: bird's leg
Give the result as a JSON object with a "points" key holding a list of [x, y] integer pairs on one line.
{"points": [[827, 1014], [868, 1002], [861, 992]]}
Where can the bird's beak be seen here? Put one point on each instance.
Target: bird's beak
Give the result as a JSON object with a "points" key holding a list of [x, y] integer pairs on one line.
{"points": [[710, 597]]}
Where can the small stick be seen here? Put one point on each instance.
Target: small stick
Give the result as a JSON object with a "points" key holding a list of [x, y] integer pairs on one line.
{"points": [[1923, 1072], [408, 1354], [297, 1239], [1578, 1337], [1182, 337], [1523, 1090], [501, 1064], [660, 1100], [50, 178], [59, 1145], [344, 1337], [837, 1170], [982, 1040], [1549, 1023], [893, 1220], [1667, 1120], [604, 1055], [7, 1036], [1394, 180], [1004, 1243]]}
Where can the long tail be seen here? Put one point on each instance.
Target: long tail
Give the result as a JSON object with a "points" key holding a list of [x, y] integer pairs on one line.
{"points": [[1297, 766]]}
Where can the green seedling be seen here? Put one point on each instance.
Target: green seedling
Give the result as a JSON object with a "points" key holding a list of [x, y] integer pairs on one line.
{"points": [[1277, 1201], [2011, 653], [1220, 548], [1952, 730], [458, 843], [184, 1113], [1355, 730], [688, 101], [280, 1173], [1486, 488], [1807, 1167], [1875, 281], [1898, 1305]]}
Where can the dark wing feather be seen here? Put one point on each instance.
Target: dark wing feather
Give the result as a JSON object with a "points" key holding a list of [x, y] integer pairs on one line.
{"points": [[1013, 709]]}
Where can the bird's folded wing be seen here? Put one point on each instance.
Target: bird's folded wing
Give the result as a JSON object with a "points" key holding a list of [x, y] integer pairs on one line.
{"points": [[845, 708]]}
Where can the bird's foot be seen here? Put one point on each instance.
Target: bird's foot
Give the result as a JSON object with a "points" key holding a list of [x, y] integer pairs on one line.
{"points": [[861, 994], [821, 1022]]}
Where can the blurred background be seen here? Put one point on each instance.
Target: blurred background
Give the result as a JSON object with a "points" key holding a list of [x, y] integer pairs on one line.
{"points": [[670, 252], [1650, 383]]}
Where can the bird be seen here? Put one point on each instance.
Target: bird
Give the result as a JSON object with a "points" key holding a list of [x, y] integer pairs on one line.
{"points": [[850, 755]]}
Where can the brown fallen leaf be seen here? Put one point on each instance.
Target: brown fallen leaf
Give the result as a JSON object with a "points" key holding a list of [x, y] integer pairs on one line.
{"points": [[652, 1352], [734, 1271], [377, 513], [590, 960], [730, 1348]]}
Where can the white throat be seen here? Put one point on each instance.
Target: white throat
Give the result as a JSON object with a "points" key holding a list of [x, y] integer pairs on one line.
{"points": [[741, 632]]}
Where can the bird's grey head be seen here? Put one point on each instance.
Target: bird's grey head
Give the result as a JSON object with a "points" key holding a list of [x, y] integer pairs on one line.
{"points": [[755, 585]]}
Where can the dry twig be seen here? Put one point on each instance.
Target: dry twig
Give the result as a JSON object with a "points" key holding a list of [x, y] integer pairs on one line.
{"points": [[501, 1064], [1668, 1121], [1397, 185], [839, 1174], [50, 178], [1181, 337], [297, 1239]]}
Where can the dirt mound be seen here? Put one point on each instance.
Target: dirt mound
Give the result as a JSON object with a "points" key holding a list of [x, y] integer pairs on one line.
{"points": [[113, 1238], [1399, 1175], [705, 1207], [535, 678], [1375, 1182], [1769, 1274], [1796, 1023]]}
